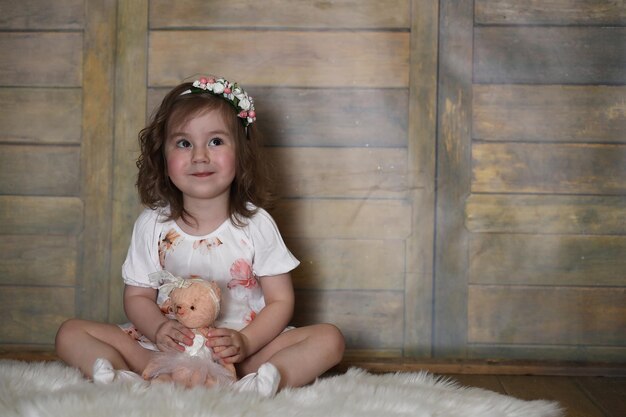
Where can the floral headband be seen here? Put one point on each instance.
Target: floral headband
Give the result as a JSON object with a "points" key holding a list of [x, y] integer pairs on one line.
{"points": [[231, 92]]}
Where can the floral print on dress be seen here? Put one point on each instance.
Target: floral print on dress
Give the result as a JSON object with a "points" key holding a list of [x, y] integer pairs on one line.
{"points": [[245, 286], [242, 275], [206, 245], [167, 244]]}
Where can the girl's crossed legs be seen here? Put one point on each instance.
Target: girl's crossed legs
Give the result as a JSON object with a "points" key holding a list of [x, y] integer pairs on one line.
{"points": [[300, 354]]}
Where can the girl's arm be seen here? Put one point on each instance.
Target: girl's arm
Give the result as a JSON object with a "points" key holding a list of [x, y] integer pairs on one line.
{"points": [[142, 310], [269, 323]]}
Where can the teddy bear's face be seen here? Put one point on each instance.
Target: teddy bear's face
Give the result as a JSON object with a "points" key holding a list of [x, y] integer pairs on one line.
{"points": [[196, 305]]}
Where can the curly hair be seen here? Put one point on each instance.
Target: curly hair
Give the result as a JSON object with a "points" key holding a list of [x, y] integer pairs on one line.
{"points": [[252, 183]]}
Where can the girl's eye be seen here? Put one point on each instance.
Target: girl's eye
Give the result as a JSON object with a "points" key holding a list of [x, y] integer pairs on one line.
{"points": [[183, 143], [216, 142]]}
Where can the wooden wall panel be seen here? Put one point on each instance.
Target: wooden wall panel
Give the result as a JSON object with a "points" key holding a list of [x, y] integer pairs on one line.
{"points": [[546, 214], [563, 260], [553, 12], [38, 260], [368, 319], [344, 219], [341, 172], [39, 170], [546, 209], [548, 168], [35, 313], [282, 58], [345, 264], [538, 113], [372, 117], [53, 59], [321, 117], [40, 215], [453, 178], [550, 315], [32, 14], [130, 110], [97, 157], [40, 115], [550, 55], [41, 207], [352, 14]]}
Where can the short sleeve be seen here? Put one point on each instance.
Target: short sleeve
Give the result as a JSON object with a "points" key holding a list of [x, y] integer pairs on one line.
{"points": [[271, 256], [143, 257]]}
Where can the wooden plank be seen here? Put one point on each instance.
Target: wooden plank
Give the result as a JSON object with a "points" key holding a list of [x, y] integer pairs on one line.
{"points": [[488, 382], [418, 335], [341, 172], [344, 219], [33, 15], [540, 214], [53, 59], [608, 393], [307, 59], [553, 388], [346, 14], [612, 356], [41, 260], [40, 170], [560, 113], [41, 115], [321, 117], [453, 178], [329, 264], [40, 215], [35, 314], [473, 367], [130, 106], [368, 319], [547, 315], [548, 168], [554, 12], [97, 157], [547, 260], [549, 55]]}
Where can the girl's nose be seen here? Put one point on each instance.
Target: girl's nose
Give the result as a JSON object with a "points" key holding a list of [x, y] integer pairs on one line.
{"points": [[201, 155]]}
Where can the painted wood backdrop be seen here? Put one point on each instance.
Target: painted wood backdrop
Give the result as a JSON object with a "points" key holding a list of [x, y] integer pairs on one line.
{"points": [[453, 173]]}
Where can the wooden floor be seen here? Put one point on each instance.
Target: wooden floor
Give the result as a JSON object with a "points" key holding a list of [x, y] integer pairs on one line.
{"points": [[580, 396], [582, 389]]}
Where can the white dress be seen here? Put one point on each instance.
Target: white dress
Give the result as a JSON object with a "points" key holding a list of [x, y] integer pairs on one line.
{"points": [[234, 257]]}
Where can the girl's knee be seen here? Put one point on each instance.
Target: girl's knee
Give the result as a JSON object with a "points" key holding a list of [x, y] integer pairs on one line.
{"points": [[333, 339], [66, 333]]}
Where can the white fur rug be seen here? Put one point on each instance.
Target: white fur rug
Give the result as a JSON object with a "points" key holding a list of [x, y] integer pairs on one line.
{"points": [[53, 389]]}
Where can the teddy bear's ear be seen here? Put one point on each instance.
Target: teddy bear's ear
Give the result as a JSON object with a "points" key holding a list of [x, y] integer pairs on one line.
{"points": [[216, 288], [167, 305]]}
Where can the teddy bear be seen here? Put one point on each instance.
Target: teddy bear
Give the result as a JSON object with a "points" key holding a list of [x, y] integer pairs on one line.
{"points": [[195, 303]]}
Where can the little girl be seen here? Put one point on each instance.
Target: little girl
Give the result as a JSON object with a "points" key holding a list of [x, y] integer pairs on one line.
{"points": [[205, 183]]}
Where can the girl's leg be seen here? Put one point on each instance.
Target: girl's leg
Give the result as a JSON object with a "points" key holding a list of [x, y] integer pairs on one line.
{"points": [[301, 354], [79, 343]]}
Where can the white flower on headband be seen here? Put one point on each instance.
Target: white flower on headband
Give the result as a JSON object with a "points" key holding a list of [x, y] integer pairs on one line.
{"points": [[244, 103], [231, 92], [218, 88]]}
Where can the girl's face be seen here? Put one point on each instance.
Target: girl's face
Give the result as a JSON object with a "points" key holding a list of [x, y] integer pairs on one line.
{"points": [[200, 157]]}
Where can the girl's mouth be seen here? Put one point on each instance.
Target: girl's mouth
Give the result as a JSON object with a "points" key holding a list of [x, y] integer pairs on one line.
{"points": [[202, 174]]}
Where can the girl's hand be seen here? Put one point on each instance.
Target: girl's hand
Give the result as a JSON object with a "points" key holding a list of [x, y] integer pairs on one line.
{"points": [[170, 334], [228, 344]]}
